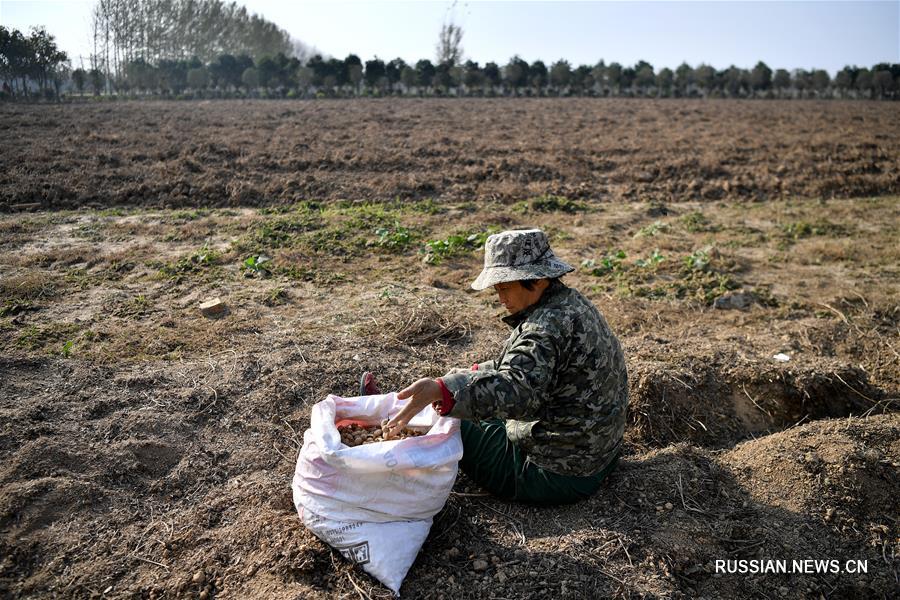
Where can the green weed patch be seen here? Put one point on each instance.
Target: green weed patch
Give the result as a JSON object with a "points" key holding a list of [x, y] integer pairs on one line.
{"points": [[693, 277], [547, 204], [56, 337], [456, 244], [198, 262], [804, 229], [696, 222], [284, 230], [256, 266], [191, 215], [395, 238], [609, 264], [653, 229]]}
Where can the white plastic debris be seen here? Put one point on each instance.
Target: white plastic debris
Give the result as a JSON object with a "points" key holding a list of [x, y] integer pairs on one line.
{"points": [[781, 357]]}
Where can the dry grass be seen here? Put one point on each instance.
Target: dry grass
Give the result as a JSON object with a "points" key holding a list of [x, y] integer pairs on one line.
{"points": [[141, 251], [28, 287], [61, 256], [430, 321], [132, 228], [816, 252], [17, 226]]}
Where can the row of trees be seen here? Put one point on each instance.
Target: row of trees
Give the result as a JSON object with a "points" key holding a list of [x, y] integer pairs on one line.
{"points": [[154, 31], [281, 75], [29, 62], [35, 63]]}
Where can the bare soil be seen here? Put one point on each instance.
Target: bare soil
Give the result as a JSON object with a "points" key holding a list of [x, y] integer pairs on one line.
{"points": [[227, 153], [146, 451]]}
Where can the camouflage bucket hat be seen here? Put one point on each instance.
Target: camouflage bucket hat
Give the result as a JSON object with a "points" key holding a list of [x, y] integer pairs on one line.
{"points": [[518, 255]]}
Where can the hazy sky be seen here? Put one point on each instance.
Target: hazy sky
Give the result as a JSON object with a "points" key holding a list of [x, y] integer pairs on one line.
{"points": [[799, 34]]}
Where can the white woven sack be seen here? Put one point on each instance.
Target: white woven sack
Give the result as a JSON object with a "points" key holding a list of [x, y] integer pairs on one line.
{"points": [[374, 503]]}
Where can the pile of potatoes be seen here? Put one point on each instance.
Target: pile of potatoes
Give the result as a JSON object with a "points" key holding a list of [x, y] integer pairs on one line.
{"points": [[357, 435]]}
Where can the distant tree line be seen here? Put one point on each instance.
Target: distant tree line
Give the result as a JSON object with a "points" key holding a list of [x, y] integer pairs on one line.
{"points": [[283, 76], [270, 69]]}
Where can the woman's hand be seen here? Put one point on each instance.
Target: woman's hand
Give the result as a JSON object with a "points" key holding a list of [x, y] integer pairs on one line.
{"points": [[421, 394]]}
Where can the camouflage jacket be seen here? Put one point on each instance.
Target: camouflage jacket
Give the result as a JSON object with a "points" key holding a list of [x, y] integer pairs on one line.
{"points": [[560, 383]]}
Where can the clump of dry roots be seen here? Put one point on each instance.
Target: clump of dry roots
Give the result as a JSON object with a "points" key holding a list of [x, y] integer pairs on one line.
{"points": [[428, 322], [357, 435]]}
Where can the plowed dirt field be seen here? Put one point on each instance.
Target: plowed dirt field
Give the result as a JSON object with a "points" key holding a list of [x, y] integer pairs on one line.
{"points": [[234, 153]]}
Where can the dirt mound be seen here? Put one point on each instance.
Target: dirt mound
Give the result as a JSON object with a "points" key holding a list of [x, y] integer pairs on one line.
{"points": [[842, 472], [716, 401]]}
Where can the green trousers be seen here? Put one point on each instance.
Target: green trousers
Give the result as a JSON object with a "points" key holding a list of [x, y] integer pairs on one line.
{"points": [[499, 466]]}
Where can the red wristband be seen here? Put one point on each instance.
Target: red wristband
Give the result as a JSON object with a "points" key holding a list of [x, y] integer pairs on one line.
{"points": [[446, 405]]}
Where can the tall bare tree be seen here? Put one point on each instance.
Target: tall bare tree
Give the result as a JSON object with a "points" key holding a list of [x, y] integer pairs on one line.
{"points": [[156, 30], [449, 47]]}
